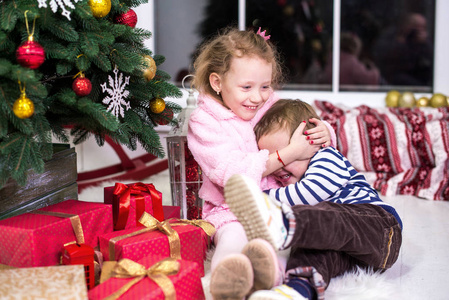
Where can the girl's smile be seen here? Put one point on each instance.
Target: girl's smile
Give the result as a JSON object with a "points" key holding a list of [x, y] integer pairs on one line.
{"points": [[246, 86]]}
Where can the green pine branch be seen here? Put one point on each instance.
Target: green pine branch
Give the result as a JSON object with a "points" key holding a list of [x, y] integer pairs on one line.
{"points": [[83, 44]]}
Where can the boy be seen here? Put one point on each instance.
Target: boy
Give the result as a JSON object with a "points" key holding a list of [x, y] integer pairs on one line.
{"points": [[327, 213]]}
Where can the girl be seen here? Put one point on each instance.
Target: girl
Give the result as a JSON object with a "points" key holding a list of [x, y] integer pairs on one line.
{"points": [[234, 73]]}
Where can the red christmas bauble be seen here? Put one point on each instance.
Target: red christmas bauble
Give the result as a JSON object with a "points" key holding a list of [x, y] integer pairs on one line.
{"points": [[30, 54], [82, 86], [190, 198], [193, 213], [164, 117], [189, 157], [128, 18], [192, 173]]}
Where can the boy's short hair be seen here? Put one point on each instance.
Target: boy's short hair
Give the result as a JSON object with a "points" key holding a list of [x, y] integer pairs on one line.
{"points": [[286, 114]]}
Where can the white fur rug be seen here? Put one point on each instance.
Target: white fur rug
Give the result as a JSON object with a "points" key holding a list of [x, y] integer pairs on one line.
{"points": [[359, 285]]}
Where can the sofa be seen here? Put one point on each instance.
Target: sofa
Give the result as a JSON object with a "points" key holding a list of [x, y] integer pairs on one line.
{"points": [[401, 151]]}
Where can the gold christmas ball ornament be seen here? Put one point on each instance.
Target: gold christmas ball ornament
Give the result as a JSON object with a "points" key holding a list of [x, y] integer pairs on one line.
{"points": [[149, 72], [438, 100], [407, 99], [157, 105], [423, 102], [392, 98], [289, 10], [100, 8], [23, 107]]}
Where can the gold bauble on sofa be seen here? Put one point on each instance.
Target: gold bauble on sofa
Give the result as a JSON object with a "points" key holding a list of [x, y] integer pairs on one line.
{"points": [[392, 98], [438, 100], [407, 99]]}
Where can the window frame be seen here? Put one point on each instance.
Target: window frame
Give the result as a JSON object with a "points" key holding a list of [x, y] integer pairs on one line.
{"points": [[348, 98]]}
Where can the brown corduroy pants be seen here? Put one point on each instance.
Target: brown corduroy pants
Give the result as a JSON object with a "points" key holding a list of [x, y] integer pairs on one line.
{"points": [[335, 238]]}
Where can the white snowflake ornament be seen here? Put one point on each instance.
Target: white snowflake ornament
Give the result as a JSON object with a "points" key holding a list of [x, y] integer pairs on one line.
{"points": [[54, 4], [117, 94]]}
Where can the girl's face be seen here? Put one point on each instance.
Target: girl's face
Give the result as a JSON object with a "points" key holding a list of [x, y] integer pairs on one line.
{"points": [[292, 172], [246, 86]]}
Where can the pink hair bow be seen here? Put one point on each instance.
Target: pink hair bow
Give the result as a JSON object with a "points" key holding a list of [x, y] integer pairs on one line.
{"points": [[262, 34]]}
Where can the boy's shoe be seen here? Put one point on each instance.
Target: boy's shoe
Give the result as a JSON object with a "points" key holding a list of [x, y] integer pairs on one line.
{"points": [[260, 216], [232, 278], [265, 264], [281, 292]]}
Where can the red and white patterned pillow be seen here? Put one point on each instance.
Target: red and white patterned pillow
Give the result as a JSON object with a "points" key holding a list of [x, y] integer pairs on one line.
{"points": [[399, 150]]}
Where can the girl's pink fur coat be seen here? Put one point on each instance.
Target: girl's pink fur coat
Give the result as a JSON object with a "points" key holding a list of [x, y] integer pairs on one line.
{"points": [[223, 144]]}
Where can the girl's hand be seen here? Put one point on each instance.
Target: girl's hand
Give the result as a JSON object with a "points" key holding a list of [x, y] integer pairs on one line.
{"points": [[319, 135], [303, 148]]}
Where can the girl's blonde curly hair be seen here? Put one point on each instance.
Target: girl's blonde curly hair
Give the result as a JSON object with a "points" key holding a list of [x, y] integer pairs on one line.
{"points": [[215, 56]]}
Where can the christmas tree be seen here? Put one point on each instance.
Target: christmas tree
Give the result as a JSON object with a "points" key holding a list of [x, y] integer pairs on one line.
{"points": [[73, 69]]}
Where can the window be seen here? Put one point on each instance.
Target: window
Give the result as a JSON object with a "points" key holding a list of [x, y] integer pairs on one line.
{"points": [[377, 47], [387, 44]]}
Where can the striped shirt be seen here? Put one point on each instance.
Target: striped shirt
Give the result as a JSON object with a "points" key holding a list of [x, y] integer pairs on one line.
{"points": [[331, 177]]}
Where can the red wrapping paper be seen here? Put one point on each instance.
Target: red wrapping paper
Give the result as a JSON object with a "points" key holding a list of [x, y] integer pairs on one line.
{"points": [[187, 284], [171, 212], [192, 238], [33, 240], [130, 201]]}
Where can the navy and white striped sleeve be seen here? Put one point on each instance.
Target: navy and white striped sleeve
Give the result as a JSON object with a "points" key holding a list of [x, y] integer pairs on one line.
{"points": [[328, 172]]}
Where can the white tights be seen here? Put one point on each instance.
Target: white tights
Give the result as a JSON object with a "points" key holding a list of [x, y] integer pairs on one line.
{"points": [[229, 239]]}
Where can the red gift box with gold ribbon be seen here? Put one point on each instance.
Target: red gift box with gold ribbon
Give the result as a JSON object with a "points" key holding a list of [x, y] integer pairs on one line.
{"points": [[172, 212], [129, 201], [153, 277], [186, 239], [37, 238]]}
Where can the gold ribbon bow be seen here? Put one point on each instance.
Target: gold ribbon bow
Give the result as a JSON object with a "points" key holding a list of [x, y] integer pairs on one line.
{"points": [[74, 219], [148, 220], [207, 227], [158, 272], [152, 224]]}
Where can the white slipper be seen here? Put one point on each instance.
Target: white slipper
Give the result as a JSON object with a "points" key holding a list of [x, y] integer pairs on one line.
{"points": [[260, 216]]}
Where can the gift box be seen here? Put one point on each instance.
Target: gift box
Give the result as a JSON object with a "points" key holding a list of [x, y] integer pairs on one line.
{"points": [[130, 201], [37, 238], [56, 282], [171, 238], [171, 212], [153, 277]]}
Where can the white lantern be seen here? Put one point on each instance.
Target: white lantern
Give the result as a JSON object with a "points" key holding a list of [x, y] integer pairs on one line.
{"points": [[185, 173]]}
